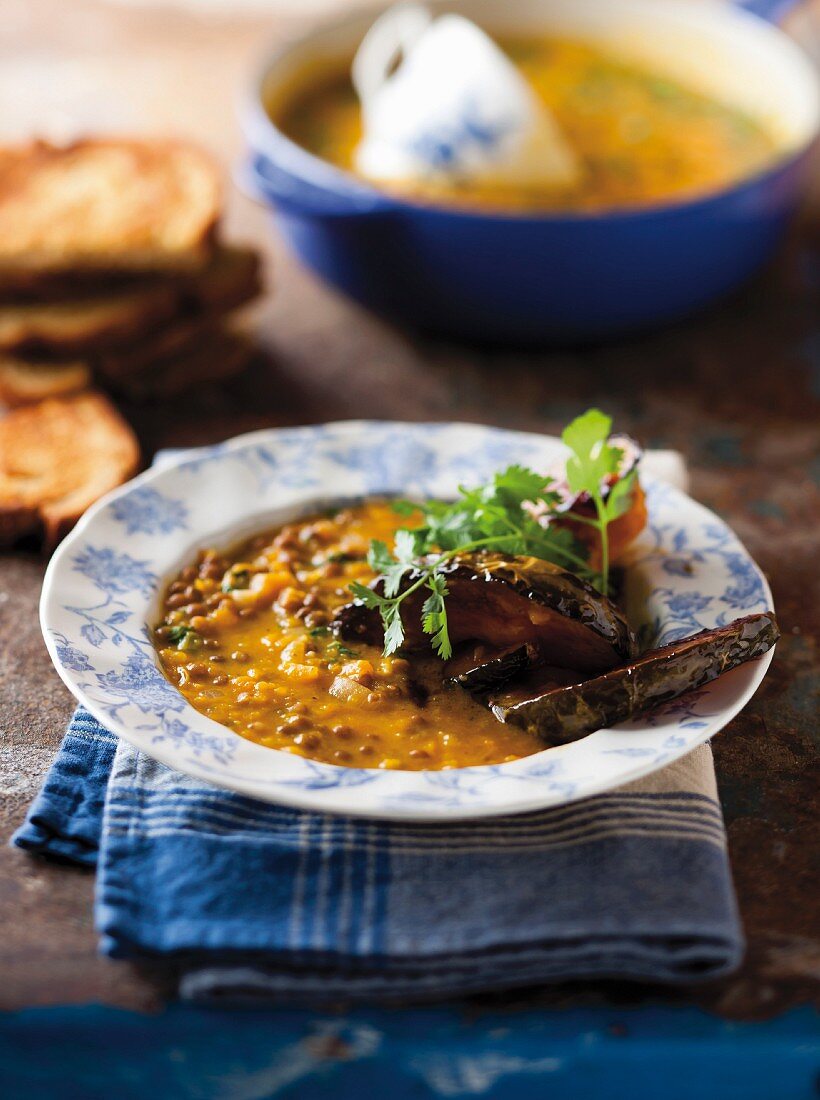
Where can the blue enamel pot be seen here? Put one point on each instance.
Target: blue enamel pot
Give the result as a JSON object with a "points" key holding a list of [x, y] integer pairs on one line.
{"points": [[540, 278]]}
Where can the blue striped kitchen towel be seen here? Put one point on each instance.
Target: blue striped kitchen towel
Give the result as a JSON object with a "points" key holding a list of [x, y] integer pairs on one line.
{"points": [[257, 901]]}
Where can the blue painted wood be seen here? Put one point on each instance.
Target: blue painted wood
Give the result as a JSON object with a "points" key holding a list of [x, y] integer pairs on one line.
{"points": [[85, 1053]]}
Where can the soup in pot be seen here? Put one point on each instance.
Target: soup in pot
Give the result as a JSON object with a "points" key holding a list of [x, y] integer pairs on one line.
{"points": [[641, 138]]}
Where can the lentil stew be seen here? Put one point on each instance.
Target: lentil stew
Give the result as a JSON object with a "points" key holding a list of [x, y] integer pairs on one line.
{"points": [[245, 637]]}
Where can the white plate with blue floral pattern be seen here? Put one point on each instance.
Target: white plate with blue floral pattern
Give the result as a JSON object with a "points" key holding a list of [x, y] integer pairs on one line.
{"points": [[102, 591]]}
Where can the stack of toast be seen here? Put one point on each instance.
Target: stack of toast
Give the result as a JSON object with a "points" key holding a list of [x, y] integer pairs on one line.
{"points": [[112, 276], [111, 271]]}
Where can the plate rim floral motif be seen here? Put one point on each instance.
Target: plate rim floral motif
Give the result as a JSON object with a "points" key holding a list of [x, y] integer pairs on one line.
{"points": [[103, 585]]}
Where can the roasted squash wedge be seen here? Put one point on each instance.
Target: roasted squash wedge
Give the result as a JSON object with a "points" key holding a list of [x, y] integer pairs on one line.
{"points": [[510, 602], [560, 707]]}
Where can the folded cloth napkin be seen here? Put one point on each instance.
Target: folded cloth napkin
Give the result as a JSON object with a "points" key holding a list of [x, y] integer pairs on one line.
{"points": [[255, 901]]}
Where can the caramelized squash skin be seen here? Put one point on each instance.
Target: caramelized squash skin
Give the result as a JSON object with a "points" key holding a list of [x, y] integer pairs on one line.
{"points": [[511, 602], [560, 709]]}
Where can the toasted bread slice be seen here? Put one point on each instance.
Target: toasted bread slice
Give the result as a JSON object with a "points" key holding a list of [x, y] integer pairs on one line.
{"points": [[118, 365], [102, 319], [56, 459], [230, 279], [175, 360], [172, 361], [105, 205], [85, 323], [212, 355], [25, 381]]}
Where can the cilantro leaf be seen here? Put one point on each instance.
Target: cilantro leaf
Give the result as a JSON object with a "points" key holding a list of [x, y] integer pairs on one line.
{"points": [[434, 616], [379, 556], [619, 496], [368, 596], [405, 547], [593, 458], [183, 637], [381, 561], [518, 484], [592, 468], [393, 628]]}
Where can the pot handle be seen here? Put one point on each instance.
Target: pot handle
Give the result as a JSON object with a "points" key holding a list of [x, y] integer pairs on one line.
{"points": [[773, 11], [266, 182]]}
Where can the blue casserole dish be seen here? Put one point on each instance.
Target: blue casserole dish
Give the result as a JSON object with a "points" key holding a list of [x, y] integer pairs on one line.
{"points": [[529, 279]]}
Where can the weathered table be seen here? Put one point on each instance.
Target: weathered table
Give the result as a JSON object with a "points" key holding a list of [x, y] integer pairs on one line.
{"points": [[737, 389]]}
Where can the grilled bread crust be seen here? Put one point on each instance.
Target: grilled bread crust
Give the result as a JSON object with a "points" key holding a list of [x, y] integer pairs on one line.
{"points": [[56, 458], [105, 205]]}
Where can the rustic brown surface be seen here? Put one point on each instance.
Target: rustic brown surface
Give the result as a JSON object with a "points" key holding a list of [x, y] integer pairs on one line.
{"points": [[737, 389]]}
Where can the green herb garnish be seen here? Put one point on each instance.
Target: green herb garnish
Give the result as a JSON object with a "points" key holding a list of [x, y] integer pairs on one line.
{"points": [[591, 466], [319, 631], [236, 577], [342, 650], [183, 637], [510, 514]]}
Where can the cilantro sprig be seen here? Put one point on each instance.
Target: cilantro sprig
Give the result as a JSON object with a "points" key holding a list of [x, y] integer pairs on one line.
{"points": [[593, 468], [513, 513]]}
